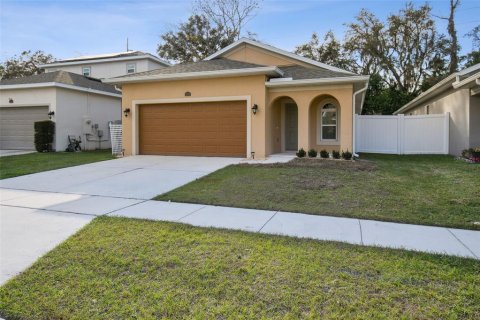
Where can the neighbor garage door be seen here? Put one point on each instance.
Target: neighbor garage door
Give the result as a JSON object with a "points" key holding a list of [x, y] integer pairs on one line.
{"points": [[198, 129], [16, 126]]}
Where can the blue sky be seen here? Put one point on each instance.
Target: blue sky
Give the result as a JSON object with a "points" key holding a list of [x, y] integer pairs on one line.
{"points": [[67, 28]]}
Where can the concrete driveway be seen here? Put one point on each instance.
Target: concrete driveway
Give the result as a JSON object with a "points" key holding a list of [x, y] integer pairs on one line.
{"points": [[7, 153], [39, 211]]}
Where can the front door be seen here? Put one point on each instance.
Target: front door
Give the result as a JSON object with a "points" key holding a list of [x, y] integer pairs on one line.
{"points": [[291, 127]]}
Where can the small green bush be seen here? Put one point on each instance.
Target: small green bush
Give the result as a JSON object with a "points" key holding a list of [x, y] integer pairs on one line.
{"points": [[347, 155], [324, 154], [335, 154], [44, 133], [301, 153], [312, 153]]}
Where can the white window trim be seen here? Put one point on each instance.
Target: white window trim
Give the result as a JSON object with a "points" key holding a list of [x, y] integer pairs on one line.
{"points": [[89, 71], [320, 140], [134, 67]]}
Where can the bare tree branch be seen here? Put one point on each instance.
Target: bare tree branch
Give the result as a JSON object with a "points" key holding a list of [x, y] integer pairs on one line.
{"points": [[229, 14]]}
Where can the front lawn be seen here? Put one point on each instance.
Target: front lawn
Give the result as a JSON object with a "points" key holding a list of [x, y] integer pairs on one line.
{"points": [[118, 268], [430, 190], [13, 166]]}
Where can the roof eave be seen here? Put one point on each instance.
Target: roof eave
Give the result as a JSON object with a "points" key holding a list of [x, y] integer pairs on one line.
{"points": [[96, 61], [319, 81], [57, 85], [442, 85], [467, 82], [270, 71], [437, 88]]}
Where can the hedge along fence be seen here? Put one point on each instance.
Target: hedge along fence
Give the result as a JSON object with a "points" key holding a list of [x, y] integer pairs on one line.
{"points": [[44, 133]]}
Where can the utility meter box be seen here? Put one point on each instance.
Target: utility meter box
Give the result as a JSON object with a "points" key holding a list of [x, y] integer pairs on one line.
{"points": [[87, 125]]}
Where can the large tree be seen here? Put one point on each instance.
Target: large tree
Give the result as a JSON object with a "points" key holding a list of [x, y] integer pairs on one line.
{"points": [[473, 57], [214, 25], [24, 64], [403, 47], [329, 51], [232, 15], [194, 40], [475, 36], [383, 99], [453, 47]]}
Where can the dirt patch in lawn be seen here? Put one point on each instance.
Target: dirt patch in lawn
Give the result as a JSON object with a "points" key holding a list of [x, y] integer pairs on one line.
{"points": [[357, 165]]}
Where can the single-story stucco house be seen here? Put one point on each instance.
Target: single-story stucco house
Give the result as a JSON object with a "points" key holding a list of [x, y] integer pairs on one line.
{"points": [[79, 106], [247, 100], [458, 94]]}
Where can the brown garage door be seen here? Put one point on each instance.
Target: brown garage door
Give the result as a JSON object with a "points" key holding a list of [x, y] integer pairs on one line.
{"points": [[198, 129]]}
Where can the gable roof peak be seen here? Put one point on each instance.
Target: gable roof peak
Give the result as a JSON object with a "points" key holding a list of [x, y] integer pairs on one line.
{"points": [[276, 50]]}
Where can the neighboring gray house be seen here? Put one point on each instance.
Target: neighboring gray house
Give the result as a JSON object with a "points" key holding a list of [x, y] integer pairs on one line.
{"points": [[79, 105], [109, 65], [458, 94]]}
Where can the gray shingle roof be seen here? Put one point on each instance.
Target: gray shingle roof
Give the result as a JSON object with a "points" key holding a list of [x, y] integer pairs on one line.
{"points": [[65, 78], [200, 66], [297, 72]]}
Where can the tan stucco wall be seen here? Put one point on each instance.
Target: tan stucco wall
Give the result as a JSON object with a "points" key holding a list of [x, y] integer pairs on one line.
{"points": [[457, 102], [308, 100], [252, 86], [251, 54]]}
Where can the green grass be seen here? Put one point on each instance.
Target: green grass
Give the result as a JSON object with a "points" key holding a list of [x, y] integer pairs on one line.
{"points": [[13, 166], [118, 268], [430, 190]]}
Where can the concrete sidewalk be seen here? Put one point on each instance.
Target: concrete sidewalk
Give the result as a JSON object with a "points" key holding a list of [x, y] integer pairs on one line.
{"points": [[456, 242], [34, 222]]}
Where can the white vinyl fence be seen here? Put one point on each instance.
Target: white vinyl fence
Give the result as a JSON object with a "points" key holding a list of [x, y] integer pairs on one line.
{"points": [[116, 138], [424, 134]]}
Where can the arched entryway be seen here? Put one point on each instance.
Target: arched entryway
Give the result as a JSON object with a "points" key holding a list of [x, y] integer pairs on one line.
{"points": [[284, 125]]}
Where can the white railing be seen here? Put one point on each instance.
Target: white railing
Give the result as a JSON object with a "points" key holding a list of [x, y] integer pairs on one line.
{"points": [[116, 138], [423, 134]]}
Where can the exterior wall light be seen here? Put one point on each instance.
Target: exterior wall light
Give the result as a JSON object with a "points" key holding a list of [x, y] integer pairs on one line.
{"points": [[51, 114], [126, 111], [254, 109], [10, 100]]}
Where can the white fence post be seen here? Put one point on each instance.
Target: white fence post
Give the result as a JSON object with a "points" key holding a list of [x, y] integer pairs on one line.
{"points": [[401, 135], [356, 145], [446, 128]]}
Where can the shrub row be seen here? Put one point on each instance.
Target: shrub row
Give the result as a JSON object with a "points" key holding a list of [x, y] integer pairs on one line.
{"points": [[472, 154], [312, 153]]}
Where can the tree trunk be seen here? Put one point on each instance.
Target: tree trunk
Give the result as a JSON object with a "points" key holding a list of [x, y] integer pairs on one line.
{"points": [[453, 36]]}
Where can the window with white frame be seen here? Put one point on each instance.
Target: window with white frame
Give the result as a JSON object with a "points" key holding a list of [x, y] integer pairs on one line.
{"points": [[86, 71], [131, 68], [328, 129]]}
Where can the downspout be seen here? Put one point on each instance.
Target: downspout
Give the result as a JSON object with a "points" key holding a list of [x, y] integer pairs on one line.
{"points": [[353, 116]]}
